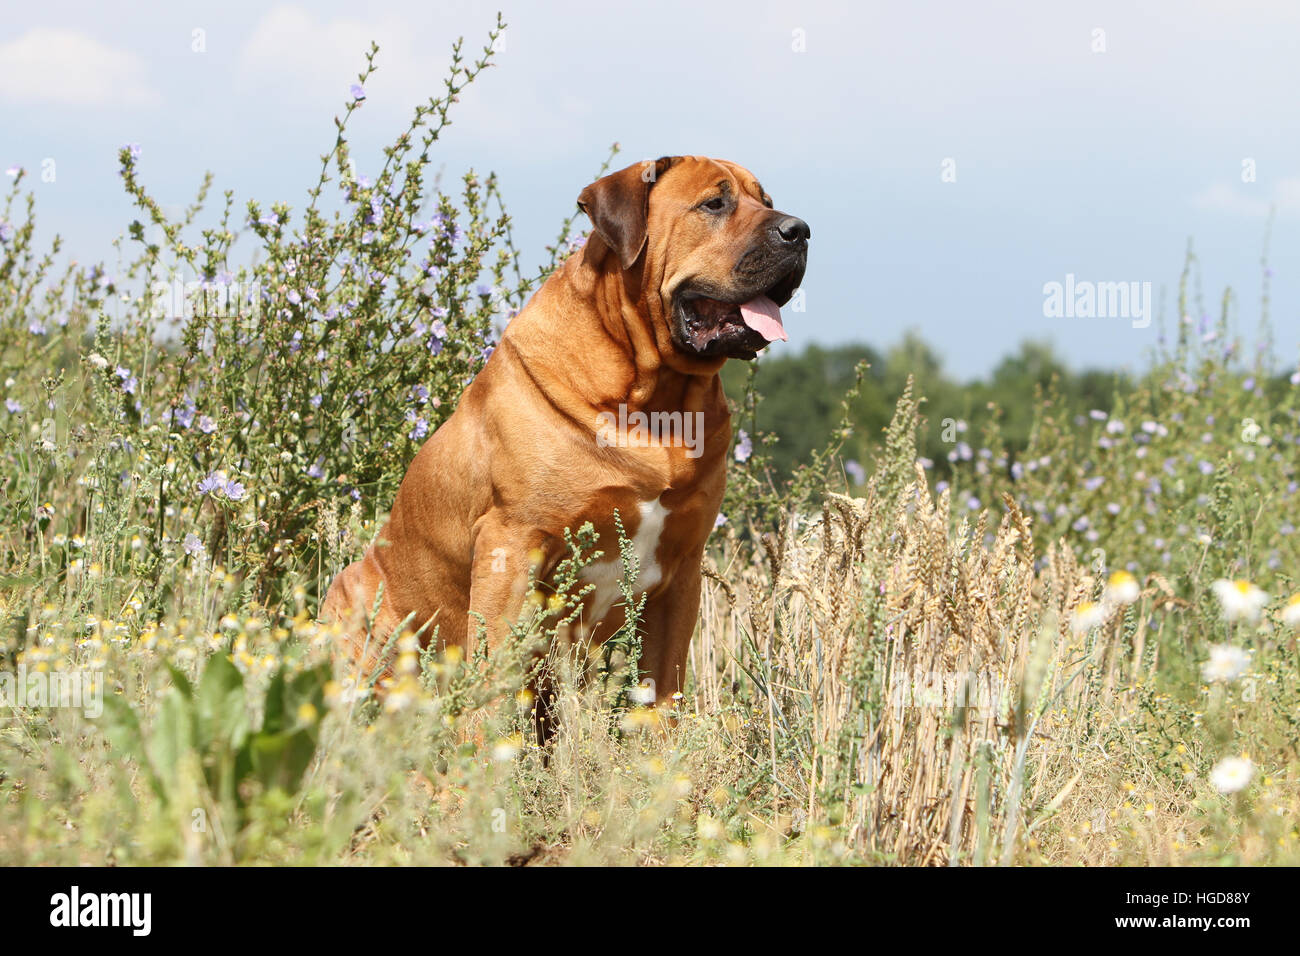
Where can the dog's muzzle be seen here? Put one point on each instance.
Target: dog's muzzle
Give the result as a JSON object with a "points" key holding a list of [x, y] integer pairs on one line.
{"points": [[742, 317]]}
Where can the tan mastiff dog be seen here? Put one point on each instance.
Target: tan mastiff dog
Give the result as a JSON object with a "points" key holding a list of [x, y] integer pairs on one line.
{"points": [[603, 395]]}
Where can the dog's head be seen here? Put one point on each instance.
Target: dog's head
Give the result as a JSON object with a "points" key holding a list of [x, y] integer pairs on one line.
{"points": [[712, 260]]}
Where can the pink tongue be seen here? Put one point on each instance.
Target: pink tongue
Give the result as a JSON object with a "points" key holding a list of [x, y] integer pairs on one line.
{"points": [[764, 316]]}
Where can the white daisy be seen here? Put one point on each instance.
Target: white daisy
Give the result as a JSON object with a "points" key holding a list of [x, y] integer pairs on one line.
{"points": [[1226, 663], [506, 749], [399, 698], [1232, 774], [1122, 588], [1291, 613], [708, 828], [1240, 599], [1087, 615]]}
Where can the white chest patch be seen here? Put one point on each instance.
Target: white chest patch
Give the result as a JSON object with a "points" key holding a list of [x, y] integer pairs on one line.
{"points": [[606, 573]]}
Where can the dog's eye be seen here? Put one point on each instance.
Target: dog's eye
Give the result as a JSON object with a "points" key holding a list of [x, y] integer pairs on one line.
{"points": [[716, 204]]}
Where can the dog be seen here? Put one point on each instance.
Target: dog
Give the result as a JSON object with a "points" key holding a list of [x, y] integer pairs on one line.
{"points": [[603, 396]]}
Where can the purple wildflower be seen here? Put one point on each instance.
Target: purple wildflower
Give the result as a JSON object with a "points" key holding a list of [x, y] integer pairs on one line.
{"points": [[744, 446], [129, 381]]}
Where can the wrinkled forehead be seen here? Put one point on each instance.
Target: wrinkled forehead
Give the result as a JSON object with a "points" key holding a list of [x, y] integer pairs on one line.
{"points": [[698, 176]]}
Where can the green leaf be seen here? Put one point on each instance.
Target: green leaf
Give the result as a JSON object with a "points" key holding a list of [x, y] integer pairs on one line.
{"points": [[173, 735], [179, 680], [122, 727], [222, 712], [285, 697], [280, 760], [273, 720], [308, 687]]}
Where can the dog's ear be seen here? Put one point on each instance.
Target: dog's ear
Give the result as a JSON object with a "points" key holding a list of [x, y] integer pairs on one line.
{"points": [[619, 204]]}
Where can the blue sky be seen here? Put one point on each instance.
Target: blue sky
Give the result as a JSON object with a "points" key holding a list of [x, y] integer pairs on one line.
{"points": [[1068, 160]]}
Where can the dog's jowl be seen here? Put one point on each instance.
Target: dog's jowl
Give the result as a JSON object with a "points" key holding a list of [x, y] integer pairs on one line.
{"points": [[603, 396]]}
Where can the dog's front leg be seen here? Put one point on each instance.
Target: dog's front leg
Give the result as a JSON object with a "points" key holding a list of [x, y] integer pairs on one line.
{"points": [[669, 622], [505, 559]]}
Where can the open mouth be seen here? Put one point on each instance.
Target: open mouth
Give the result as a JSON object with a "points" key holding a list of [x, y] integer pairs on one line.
{"points": [[731, 325]]}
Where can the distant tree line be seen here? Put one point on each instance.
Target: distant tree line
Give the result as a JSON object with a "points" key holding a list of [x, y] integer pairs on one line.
{"points": [[800, 398]]}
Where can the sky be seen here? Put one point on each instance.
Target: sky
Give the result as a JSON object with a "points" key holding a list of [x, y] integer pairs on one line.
{"points": [[953, 160]]}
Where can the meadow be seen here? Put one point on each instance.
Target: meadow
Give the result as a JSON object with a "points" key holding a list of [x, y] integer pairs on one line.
{"points": [[934, 639]]}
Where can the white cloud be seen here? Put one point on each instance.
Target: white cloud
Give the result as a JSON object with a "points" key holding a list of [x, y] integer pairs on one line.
{"points": [[1236, 202], [73, 69], [303, 61], [291, 52]]}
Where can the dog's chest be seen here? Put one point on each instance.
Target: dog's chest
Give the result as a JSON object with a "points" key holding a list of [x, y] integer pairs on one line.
{"points": [[605, 574]]}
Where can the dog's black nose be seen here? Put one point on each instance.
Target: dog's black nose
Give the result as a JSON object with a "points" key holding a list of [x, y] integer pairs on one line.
{"points": [[793, 229]]}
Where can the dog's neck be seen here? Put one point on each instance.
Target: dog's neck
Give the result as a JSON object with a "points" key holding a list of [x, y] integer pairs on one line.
{"points": [[644, 370]]}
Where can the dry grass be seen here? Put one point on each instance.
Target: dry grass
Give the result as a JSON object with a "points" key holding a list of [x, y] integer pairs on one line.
{"points": [[826, 720]]}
